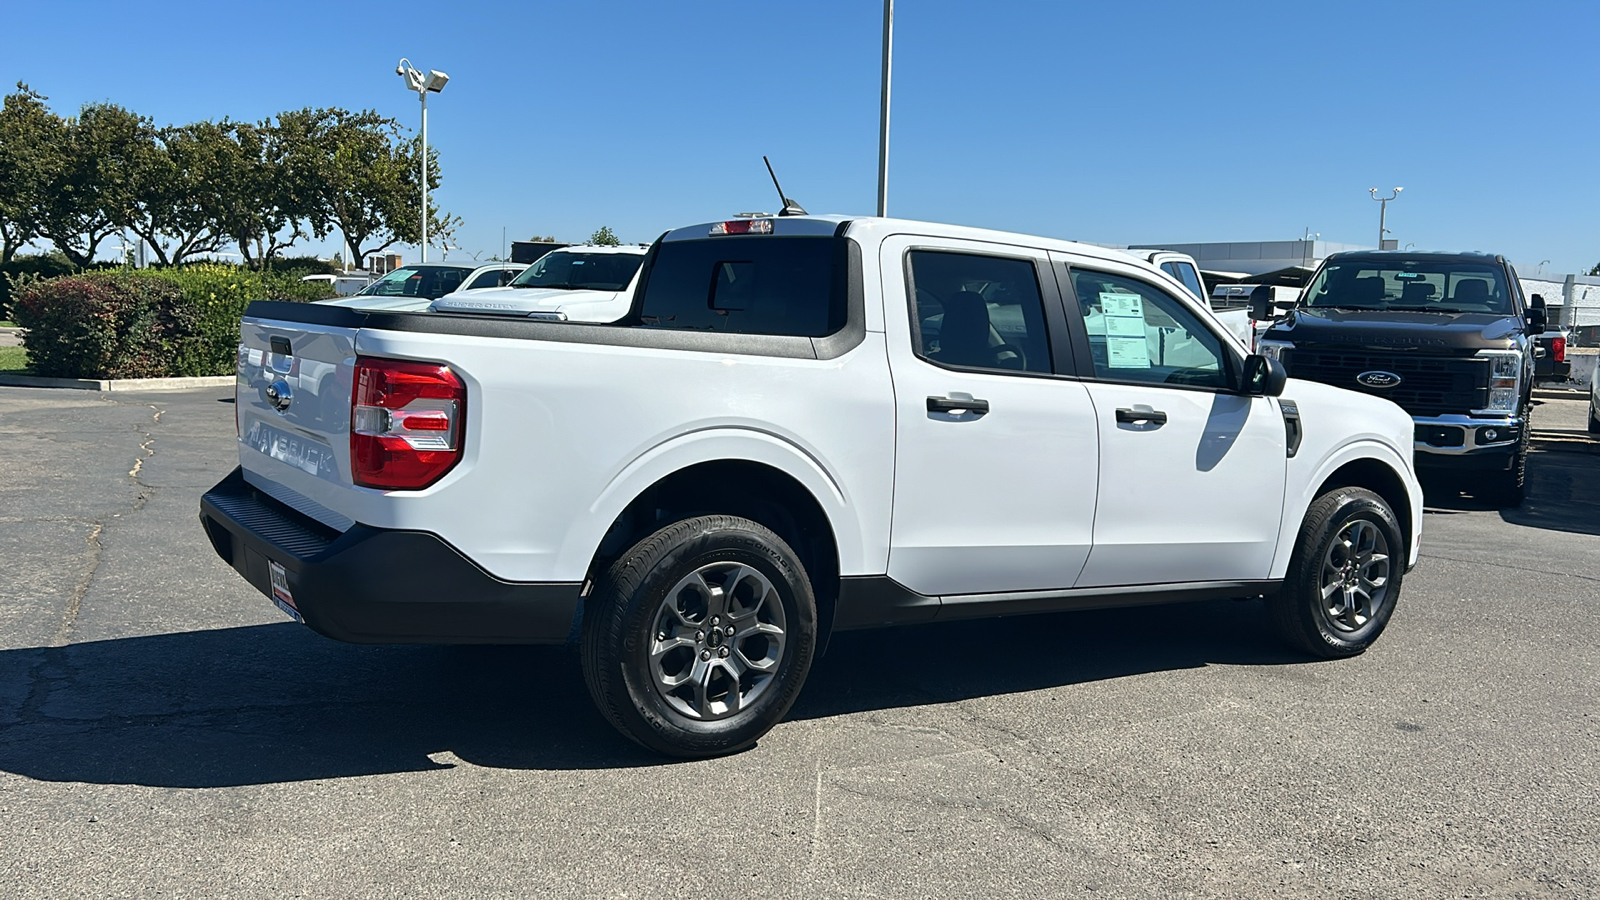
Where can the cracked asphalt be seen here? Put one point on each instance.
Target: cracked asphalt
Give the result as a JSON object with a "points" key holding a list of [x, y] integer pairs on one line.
{"points": [[164, 731]]}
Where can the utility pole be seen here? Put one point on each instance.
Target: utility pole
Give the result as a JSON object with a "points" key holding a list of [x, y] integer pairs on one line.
{"points": [[883, 111], [1383, 209]]}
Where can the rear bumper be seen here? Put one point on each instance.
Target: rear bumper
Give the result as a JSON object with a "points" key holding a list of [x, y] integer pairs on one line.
{"points": [[379, 586]]}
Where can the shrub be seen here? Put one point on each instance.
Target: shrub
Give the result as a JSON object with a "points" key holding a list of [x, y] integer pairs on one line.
{"points": [[104, 325], [302, 265], [42, 265], [147, 323]]}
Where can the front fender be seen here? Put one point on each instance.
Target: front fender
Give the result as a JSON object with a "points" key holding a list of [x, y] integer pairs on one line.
{"points": [[1303, 489]]}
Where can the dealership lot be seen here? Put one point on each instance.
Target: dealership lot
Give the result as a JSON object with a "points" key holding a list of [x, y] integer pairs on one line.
{"points": [[164, 730]]}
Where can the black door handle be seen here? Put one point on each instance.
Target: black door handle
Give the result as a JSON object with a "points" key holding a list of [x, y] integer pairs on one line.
{"points": [[949, 405], [1141, 414]]}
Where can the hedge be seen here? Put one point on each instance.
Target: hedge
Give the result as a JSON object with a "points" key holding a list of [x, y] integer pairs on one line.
{"points": [[145, 323], [42, 265]]}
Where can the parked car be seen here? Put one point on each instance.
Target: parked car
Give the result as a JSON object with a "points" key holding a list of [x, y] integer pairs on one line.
{"points": [[577, 284], [1448, 337], [343, 284], [411, 288], [802, 425], [1183, 268], [1550, 363]]}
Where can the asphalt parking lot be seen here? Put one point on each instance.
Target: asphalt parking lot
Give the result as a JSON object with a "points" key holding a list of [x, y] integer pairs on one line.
{"points": [[164, 730]]}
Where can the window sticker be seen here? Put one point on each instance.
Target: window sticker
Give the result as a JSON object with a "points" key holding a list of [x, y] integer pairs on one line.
{"points": [[1126, 347]]}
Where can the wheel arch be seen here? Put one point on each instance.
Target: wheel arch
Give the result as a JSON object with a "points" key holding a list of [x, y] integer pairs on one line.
{"points": [[1365, 464], [796, 501]]}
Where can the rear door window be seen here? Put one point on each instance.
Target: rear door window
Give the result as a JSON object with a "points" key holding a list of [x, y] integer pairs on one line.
{"points": [[978, 312], [761, 284]]}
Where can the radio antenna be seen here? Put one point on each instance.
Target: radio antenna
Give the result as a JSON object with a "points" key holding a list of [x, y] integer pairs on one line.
{"points": [[790, 208]]}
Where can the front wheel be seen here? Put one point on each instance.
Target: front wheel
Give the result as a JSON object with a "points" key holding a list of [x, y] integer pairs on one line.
{"points": [[1344, 576], [697, 641]]}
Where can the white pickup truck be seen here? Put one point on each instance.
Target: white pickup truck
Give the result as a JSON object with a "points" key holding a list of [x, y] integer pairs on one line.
{"points": [[803, 425]]}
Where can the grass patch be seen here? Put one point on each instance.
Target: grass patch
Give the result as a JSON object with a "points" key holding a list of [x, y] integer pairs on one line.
{"points": [[14, 360], [7, 324]]}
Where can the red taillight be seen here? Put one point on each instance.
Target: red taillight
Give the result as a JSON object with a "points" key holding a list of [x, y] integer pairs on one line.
{"points": [[406, 420], [1558, 349]]}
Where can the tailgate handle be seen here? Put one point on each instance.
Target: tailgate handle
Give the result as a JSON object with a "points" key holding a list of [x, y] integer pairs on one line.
{"points": [[280, 346]]}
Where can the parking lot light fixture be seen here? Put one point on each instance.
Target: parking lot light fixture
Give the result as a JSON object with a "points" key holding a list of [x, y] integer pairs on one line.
{"points": [[1383, 209], [433, 82]]}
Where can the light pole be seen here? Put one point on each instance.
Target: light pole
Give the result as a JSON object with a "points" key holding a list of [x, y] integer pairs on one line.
{"points": [[883, 111], [433, 82], [1383, 210]]}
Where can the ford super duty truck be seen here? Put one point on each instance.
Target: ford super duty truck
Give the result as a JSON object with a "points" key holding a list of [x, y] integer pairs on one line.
{"points": [[1449, 337], [803, 425]]}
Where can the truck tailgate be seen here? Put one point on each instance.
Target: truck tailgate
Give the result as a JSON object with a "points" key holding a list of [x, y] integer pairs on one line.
{"points": [[293, 399]]}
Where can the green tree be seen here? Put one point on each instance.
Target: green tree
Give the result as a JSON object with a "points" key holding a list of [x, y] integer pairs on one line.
{"points": [[83, 183], [542, 240], [27, 129], [361, 178], [605, 238], [248, 191]]}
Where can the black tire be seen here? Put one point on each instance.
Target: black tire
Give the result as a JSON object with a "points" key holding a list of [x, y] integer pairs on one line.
{"points": [[1299, 612], [1594, 421], [1509, 488], [628, 617]]}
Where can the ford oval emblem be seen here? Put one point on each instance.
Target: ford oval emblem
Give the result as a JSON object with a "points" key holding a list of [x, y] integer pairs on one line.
{"points": [[1376, 379], [279, 395]]}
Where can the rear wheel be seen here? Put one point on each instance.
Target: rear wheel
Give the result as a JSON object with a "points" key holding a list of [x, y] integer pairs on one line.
{"points": [[697, 641], [1594, 419], [1344, 576]]}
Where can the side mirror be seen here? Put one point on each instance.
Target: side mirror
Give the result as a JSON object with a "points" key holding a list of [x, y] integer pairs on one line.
{"points": [[1261, 308], [1264, 377], [1538, 301], [1537, 318]]}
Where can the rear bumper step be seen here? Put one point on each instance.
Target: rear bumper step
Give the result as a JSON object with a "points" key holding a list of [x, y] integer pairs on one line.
{"points": [[380, 586]]}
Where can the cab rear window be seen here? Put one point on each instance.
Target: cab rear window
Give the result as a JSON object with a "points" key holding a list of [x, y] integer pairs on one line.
{"points": [[762, 284]]}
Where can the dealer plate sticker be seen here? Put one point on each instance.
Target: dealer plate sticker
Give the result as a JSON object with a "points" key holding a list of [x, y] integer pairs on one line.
{"points": [[280, 591]]}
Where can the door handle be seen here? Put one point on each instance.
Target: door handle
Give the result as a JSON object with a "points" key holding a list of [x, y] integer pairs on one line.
{"points": [[957, 405], [1141, 414]]}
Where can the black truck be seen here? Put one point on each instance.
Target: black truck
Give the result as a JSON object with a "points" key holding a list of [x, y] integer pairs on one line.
{"points": [[1449, 337]]}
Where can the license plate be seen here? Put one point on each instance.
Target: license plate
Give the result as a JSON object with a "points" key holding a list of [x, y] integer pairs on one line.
{"points": [[280, 591]]}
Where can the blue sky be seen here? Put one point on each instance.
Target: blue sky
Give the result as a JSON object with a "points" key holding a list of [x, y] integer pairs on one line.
{"points": [[1113, 122]]}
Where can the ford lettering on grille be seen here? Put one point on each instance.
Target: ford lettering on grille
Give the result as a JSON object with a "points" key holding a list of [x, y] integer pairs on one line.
{"points": [[1377, 379]]}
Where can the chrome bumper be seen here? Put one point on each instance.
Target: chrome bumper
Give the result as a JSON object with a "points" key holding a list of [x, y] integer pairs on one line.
{"points": [[1456, 435]]}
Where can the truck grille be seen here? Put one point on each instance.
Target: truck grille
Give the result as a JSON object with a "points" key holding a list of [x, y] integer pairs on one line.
{"points": [[1429, 385]]}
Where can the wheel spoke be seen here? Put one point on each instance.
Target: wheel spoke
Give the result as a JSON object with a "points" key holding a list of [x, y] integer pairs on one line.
{"points": [[702, 680], [1351, 612], [732, 700]]}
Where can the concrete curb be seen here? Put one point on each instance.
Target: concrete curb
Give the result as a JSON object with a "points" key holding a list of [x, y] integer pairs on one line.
{"points": [[118, 384], [1553, 393]]}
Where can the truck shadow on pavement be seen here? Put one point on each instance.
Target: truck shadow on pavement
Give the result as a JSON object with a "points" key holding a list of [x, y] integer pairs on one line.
{"points": [[276, 703], [1563, 494]]}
